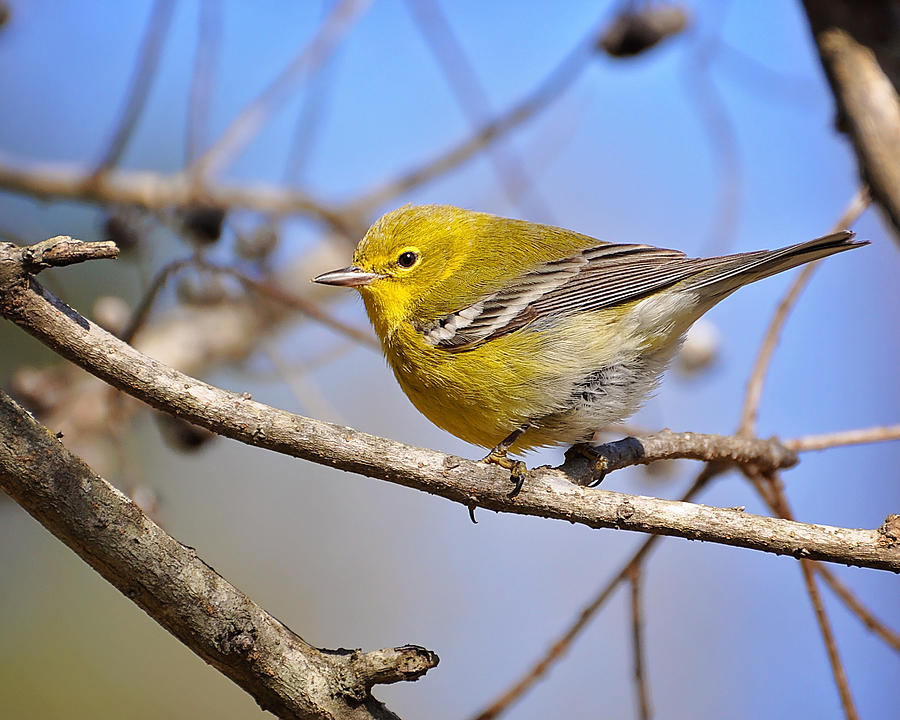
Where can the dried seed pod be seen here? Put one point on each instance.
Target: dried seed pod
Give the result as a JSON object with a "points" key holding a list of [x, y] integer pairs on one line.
{"points": [[635, 31], [202, 224], [126, 226]]}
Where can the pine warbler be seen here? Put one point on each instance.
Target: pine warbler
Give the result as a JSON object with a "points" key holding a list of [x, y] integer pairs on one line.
{"points": [[513, 335]]}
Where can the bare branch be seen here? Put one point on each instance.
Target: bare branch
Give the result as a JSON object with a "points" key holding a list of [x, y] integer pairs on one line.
{"points": [[721, 136], [209, 32], [470, 95], [305, 306], [309, 119], [834, 658], [157, 27], [156, 191], [548, 492], [637, 642], [667, 445], [176, 588], [757, 379], [779, 504], [559, 648], [548, 90], [265, 289], [845, 437], [251, 119], [891, 637], [142, 311], [857, 44]]}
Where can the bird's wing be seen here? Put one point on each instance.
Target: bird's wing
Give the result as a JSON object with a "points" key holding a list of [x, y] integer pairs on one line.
{"points": [[594, 278]]}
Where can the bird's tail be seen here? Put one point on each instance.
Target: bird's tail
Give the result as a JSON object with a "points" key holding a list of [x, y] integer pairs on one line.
{"points": [[734, 271]]}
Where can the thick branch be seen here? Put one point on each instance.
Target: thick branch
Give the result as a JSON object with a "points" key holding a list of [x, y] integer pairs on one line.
{"points": [[548, 492], [859, 45], [182, 593]]}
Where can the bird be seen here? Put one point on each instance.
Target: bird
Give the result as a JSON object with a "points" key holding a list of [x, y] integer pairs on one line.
{"points": [[513, 335]]}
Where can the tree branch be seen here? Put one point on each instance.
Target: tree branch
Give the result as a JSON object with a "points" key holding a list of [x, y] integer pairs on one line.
{"points": [[858, 43], [562, 644], [637, 642], [667, 445], [151, 45], [252, 118], [548, 492], [158, 191], [176, 588], [845, 437]]}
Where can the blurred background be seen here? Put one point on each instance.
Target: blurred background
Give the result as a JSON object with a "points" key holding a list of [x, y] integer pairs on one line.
{"points": [[720, 138]]}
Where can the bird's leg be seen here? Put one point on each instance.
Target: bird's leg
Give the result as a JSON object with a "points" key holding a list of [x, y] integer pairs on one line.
{"points": [[601, 464], [516, 468]]}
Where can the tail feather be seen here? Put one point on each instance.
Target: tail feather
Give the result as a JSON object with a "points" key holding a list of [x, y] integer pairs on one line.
{"points": [[745, 268]]}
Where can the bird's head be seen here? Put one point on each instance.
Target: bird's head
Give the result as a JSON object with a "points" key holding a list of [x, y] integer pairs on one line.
{"points": [[407, 267]]}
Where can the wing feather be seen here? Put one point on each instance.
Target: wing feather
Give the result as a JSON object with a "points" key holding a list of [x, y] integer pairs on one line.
{"points": [[597, 277]]}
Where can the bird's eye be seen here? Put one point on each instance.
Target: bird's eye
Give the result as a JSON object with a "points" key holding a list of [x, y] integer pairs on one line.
{"points": [[407, 259]]}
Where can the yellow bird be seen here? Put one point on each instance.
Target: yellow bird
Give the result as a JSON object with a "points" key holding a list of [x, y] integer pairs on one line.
{"points": [[513, 335]]}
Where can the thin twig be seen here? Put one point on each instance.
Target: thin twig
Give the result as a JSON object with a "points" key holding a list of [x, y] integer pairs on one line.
{"points": [[252, 118], [548, 90], [561, 646], [637, 642], [471, 96], [858, 204], [778, 85], [142, 311], [722, 138], [780, 506], [837, 666], [309, 118], [888, 635], [845, 437], [307, 394], [157, 27], [307, 307], [209, 33]]}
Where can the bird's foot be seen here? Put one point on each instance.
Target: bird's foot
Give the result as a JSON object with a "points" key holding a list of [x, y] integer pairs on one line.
{"points": [[517, 469], [601, 464]]}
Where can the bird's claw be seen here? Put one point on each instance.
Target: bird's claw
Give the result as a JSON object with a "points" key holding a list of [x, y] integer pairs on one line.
{"points": [[601, 464], [517, 470]]}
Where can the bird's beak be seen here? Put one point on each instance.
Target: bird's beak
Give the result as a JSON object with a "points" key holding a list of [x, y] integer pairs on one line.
{"points": [[347, 277]]}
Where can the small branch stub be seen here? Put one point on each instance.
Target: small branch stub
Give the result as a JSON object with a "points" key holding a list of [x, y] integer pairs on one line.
{"points": [[64, 250], [385, 667], [890, 530]]}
